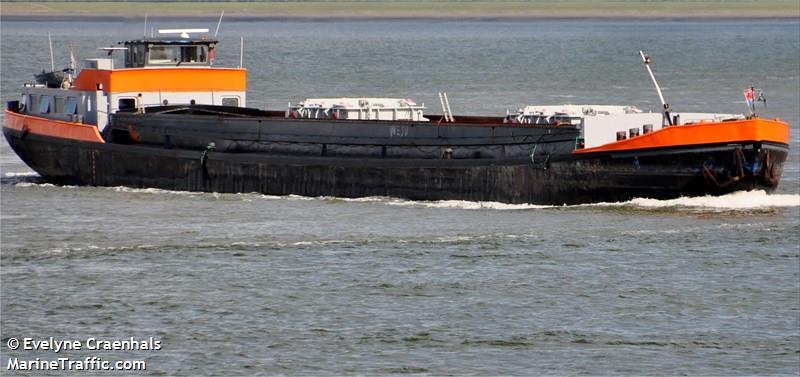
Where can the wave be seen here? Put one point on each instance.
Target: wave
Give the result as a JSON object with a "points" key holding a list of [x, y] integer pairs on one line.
{"points": [[154, 191], [15, 178], [740, 200], [463, 204], [220, 245], [21, 174]]}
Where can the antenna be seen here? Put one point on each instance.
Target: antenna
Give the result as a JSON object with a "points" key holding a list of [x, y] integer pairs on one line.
{"points": [[145, 26], [111, 50], [219, 23], [241, 53], [184, 33], [52, 61], [73, 65], [665, 106], [73, 62]]}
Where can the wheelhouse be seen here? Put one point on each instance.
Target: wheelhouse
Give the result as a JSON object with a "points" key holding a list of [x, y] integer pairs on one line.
{"points": [[169, 52], [157, 71]]}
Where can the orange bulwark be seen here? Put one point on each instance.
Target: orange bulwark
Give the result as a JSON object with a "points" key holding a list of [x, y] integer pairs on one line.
{"points": [[180, 79], [54, 128], [748, 130]]}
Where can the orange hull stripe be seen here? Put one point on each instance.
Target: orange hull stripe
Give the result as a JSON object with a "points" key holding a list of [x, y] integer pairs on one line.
{"points": [[702, 133], [163, 80], [54, 128]]}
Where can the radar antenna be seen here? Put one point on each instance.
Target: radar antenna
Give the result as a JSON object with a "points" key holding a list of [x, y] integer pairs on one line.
{"points": [[184, 33]]}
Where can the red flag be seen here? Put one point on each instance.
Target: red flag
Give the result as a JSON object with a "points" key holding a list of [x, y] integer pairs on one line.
{"points": [[749, 95]]}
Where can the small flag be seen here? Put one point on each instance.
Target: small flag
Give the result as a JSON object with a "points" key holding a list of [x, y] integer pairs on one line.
{"points": [[749, 95]]}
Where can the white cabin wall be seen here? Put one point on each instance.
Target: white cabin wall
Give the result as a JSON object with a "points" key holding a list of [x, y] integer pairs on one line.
{"points": [[86, 108], [94, 107], [177, 98], [708, 117], [602, 129], [101, 109]]}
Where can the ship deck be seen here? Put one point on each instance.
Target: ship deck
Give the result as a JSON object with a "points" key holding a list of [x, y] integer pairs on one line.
{"points": [[246, 112]]}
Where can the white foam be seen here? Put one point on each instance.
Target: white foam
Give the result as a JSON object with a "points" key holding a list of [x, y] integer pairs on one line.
{"points": [[740, 200], [33, 184], [149, 191], [321, 242], [446, 204], [462, 204], [21, 174]]}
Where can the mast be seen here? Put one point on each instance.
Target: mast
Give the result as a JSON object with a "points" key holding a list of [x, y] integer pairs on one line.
{"points": [[664, 105], [219, 23], [52, 61], [241, 52]]}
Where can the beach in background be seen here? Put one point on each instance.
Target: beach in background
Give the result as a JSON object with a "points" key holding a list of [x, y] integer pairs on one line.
{"points": [[238, 284], [327, 10]]}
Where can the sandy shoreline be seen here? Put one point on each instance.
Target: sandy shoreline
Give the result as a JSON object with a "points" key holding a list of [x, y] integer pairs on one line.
{"points": [[577, 9]]}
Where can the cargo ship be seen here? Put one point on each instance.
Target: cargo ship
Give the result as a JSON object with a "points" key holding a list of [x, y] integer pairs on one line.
{"points": [[171, 119]]}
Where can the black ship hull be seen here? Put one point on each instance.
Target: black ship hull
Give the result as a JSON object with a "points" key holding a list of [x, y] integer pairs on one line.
{"points": [[545, 175]]}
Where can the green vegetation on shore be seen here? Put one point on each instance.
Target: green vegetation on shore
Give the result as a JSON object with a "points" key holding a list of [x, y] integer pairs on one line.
{"points": [[411, 9]]}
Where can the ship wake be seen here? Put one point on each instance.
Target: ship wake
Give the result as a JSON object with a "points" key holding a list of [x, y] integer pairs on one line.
{"points": [[738, 201], [14, 178]]}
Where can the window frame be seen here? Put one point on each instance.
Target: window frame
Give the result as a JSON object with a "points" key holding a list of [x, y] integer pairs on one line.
{"points": [[131, 101], [71, 105], [228, 98], [178, 54], [58, 104], [44, 103]]}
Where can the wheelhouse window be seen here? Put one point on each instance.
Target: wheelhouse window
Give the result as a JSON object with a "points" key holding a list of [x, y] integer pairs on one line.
{"points": [[194, 54], [34, 103], [136, 56], [72, 105], [58, 105], [167, 54], [44, 104], [164, 55], [126, 103]]}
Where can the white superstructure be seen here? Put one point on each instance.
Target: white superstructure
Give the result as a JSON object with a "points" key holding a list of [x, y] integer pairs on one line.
{"points": [[358, 109], [565, 114], [599, 124]]}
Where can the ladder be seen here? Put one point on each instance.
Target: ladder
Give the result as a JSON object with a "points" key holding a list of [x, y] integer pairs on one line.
{"points": [[447, 114]]}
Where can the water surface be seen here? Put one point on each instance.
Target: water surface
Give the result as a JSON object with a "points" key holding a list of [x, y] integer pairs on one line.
{"points": [[246, 283]]}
